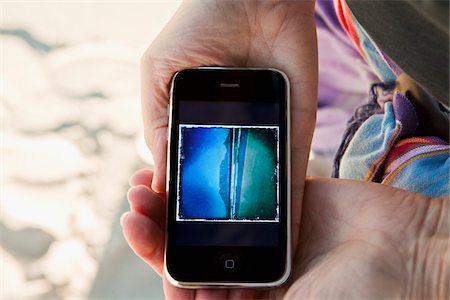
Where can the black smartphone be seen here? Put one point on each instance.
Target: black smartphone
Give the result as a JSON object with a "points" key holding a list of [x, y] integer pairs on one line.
{"points": [[228, 178]]}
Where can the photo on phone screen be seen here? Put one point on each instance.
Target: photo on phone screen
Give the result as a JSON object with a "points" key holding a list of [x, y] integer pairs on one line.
{"points": [[228, 173]]}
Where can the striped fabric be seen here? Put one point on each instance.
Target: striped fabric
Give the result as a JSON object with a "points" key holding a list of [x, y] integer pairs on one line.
{"points": [[407, 151], [381, 64]]}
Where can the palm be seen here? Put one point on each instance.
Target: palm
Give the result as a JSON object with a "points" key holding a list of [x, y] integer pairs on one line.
{"points": [[355, 231], [349, 231], [253, 34]]}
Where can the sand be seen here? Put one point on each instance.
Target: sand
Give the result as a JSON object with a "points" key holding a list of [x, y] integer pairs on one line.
{"points": [[71, 136]]}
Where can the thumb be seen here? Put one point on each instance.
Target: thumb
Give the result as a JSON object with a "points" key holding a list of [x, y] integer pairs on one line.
{"points": [[159, 152]]}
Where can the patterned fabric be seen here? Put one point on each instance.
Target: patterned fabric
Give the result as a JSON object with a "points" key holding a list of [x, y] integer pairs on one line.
{"points": [[409, 149], [343, 80], [383, 150], [360, 115], [381, 146], [381, 64]]}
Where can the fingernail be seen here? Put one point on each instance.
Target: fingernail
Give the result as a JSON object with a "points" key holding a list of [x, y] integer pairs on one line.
{"points": [[123, 218]]}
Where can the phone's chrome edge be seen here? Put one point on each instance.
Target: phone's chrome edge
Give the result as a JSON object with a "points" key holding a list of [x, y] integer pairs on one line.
{"points": [[287, 273], [169, 137]]}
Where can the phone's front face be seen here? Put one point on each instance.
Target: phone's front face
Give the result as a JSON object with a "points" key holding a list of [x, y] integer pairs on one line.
{"points": [[228, 179]]}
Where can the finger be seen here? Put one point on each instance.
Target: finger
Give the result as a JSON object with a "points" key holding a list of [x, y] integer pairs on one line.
{"points": [[141, 177], [156, 74], [230, 294], [160, 154], [211, 294], [146, 239], [148, 203], [155, 97], [239, 294], [174, 293]]}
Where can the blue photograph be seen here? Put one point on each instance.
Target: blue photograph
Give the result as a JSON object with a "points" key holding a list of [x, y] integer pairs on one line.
{"points": [[228, 173]]}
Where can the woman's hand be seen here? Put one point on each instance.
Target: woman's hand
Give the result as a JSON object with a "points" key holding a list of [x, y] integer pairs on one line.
{"points": [[279, 34], [356, 240]]}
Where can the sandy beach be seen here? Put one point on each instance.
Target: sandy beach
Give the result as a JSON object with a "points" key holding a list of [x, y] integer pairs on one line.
{"points": [[71, 136]]}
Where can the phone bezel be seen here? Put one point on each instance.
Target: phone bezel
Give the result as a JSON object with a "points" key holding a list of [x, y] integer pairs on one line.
{"points": [[287, 269]]}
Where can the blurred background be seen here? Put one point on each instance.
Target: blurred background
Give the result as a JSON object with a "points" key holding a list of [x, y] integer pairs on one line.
{"points": [[71, 136]]}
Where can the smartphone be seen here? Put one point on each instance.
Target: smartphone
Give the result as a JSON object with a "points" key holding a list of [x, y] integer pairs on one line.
{"points": [[228, 178]]}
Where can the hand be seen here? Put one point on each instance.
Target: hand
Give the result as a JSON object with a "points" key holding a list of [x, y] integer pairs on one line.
{"points": [[278, 34], [357, 240]]}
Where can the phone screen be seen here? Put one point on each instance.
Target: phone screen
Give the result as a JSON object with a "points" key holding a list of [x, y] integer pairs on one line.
{"points": [[227, 183], [227, 193]]}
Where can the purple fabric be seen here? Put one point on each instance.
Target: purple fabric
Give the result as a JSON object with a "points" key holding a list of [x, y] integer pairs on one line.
{"points": [[405, 114], [344, 78], [405, 119]]}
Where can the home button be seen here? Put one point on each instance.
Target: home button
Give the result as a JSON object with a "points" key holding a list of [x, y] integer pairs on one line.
{"points": [[228, 262]]}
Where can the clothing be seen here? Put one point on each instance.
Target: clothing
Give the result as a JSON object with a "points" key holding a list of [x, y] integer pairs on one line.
{"points": [[414, 34], [344, 77], [390, 138], [425, 17], [385, 150]]}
